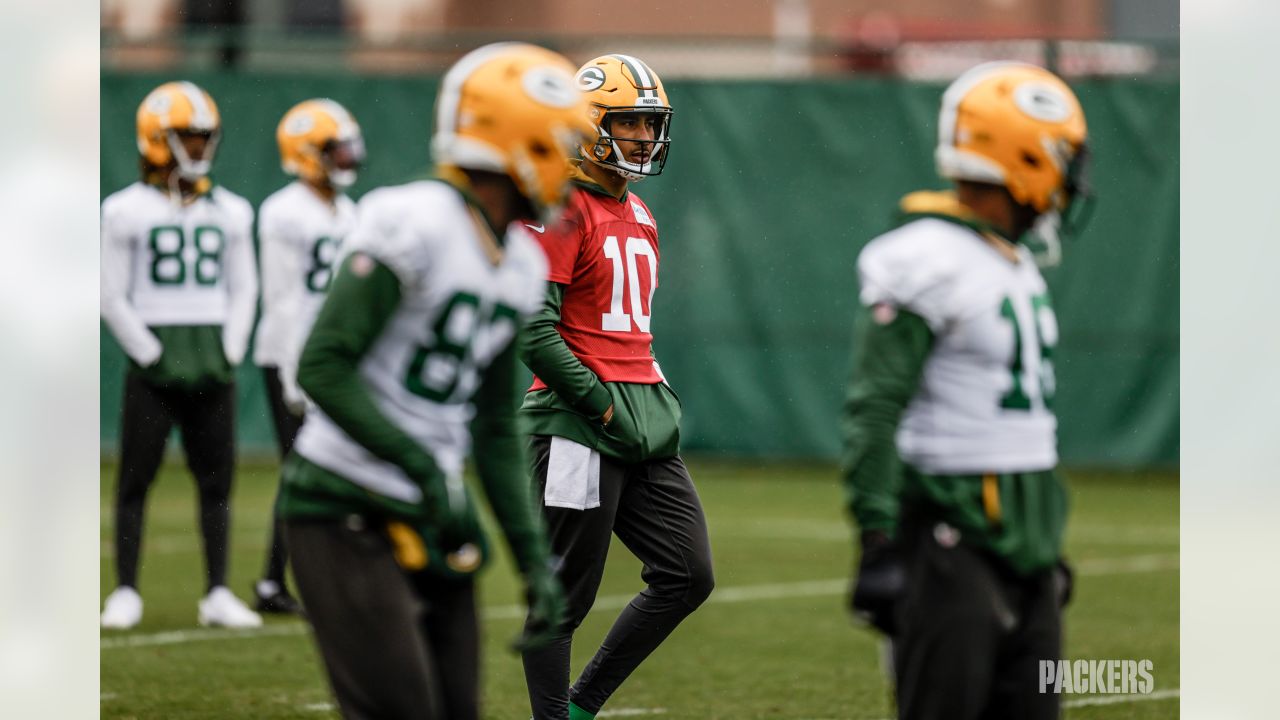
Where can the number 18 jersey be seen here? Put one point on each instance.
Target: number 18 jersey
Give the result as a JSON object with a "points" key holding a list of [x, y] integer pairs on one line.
{"points": [[605, 253], [985, 399]]}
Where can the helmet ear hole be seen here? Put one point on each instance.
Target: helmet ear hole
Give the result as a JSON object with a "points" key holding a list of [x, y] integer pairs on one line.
{"points": [[1030, 159], [539, 149]]}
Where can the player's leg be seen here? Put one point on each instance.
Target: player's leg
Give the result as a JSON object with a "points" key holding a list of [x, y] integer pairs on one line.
{"points": [[952, 621], [452, 629], [367, 620], [207, 421], [580, 544], [660, 519], [1016, 693], [271, 590], [146, 419]]}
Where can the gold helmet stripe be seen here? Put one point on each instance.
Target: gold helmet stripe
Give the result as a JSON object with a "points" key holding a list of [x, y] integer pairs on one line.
{"points": [[642, 74], [347, 127], [202, 115]]}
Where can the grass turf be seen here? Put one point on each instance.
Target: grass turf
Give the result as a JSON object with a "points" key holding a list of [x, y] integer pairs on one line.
{"points": [[773, 642]]}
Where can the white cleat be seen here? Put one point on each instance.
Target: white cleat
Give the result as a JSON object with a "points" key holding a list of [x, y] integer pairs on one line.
{"points": [[220, 608], [123, 609]]}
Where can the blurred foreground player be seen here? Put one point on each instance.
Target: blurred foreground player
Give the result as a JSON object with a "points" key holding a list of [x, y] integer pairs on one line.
{"points": [[178, 292], [411, 366], [961, 519], [300, 230], [605, 424]]}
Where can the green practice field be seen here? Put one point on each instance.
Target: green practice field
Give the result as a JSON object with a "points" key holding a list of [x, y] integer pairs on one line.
{"points": [[773, 641]]}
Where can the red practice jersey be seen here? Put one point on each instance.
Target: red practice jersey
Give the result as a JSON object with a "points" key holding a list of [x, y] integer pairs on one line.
{"points": [[605, 253]]}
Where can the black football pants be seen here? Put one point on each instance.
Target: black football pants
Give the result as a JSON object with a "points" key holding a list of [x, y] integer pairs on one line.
{"points": [[205, 416], [286, 425], [972, 632], [395, 645], [654, 510]]}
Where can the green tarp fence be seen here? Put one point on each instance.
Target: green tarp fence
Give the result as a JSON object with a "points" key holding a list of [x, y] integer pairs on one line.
{"points": [[771, 190]]}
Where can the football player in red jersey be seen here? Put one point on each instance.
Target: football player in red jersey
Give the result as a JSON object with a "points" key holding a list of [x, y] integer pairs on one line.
{"points": [[605, 423]]}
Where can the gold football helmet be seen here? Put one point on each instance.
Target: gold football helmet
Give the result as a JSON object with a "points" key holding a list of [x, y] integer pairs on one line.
{"points": [[170, 111], [513, 108], [1018, 126], [618, 84], [321, 142]]}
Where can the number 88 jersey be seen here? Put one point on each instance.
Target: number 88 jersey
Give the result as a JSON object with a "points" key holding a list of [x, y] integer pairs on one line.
{"points": [[605, 253], [178, 253]]}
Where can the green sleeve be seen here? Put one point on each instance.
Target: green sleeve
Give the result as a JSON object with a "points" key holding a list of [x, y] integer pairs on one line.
{"points": [[353, 316], [547, 355], [500, 462], [888, 360]]}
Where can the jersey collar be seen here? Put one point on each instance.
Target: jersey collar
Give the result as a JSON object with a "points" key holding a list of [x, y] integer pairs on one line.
{"points": [[584, 181], [457, 179], [944, 205], [156, 179]]}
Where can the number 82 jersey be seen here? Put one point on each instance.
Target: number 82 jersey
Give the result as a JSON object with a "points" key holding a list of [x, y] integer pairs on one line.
{"points": [[458, 311]]}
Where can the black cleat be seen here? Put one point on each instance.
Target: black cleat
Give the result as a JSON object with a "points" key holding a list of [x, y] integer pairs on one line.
{"points": [[273, 598]]}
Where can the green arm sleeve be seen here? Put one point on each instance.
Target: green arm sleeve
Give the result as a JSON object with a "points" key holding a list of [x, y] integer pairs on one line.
{"points": [[501, 465], [353, 316], [547, 355], [888, 361]]}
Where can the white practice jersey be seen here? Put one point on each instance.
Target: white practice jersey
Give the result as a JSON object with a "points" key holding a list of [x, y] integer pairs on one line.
{"points": [[167, 263], [457, 312], [984, 402], [299, 236]]}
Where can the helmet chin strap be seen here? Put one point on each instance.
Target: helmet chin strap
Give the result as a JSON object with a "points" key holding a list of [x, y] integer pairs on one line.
{"points": [[1046, 238]]}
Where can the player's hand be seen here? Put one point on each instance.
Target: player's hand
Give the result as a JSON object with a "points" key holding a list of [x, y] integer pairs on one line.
{"points": [[294, 399], [1063, 582], [462, 526], [879, 582], [547, 608]]}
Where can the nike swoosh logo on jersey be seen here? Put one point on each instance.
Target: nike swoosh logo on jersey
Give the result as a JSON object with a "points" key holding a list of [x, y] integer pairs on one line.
{"points": [[536, 228]]}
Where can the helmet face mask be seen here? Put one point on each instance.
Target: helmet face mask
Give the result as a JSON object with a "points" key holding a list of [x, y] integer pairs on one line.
{"points": [[342, 160], [652, 149], [623, 88], [193, 159]]}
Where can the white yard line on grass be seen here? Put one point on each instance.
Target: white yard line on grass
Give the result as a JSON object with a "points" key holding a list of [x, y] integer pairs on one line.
{"points": [[743, 593], [618, 712], [1118, 699]]}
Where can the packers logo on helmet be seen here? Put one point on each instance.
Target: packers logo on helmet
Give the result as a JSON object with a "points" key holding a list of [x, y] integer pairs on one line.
{"points": [[619, 85], [1018, 126], [321, 142], [513, 108], [169, 112]]}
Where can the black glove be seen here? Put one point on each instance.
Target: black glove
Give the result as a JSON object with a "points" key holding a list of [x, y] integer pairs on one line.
{"points": [[547, 608], [879, 582], [1063, 582]]}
